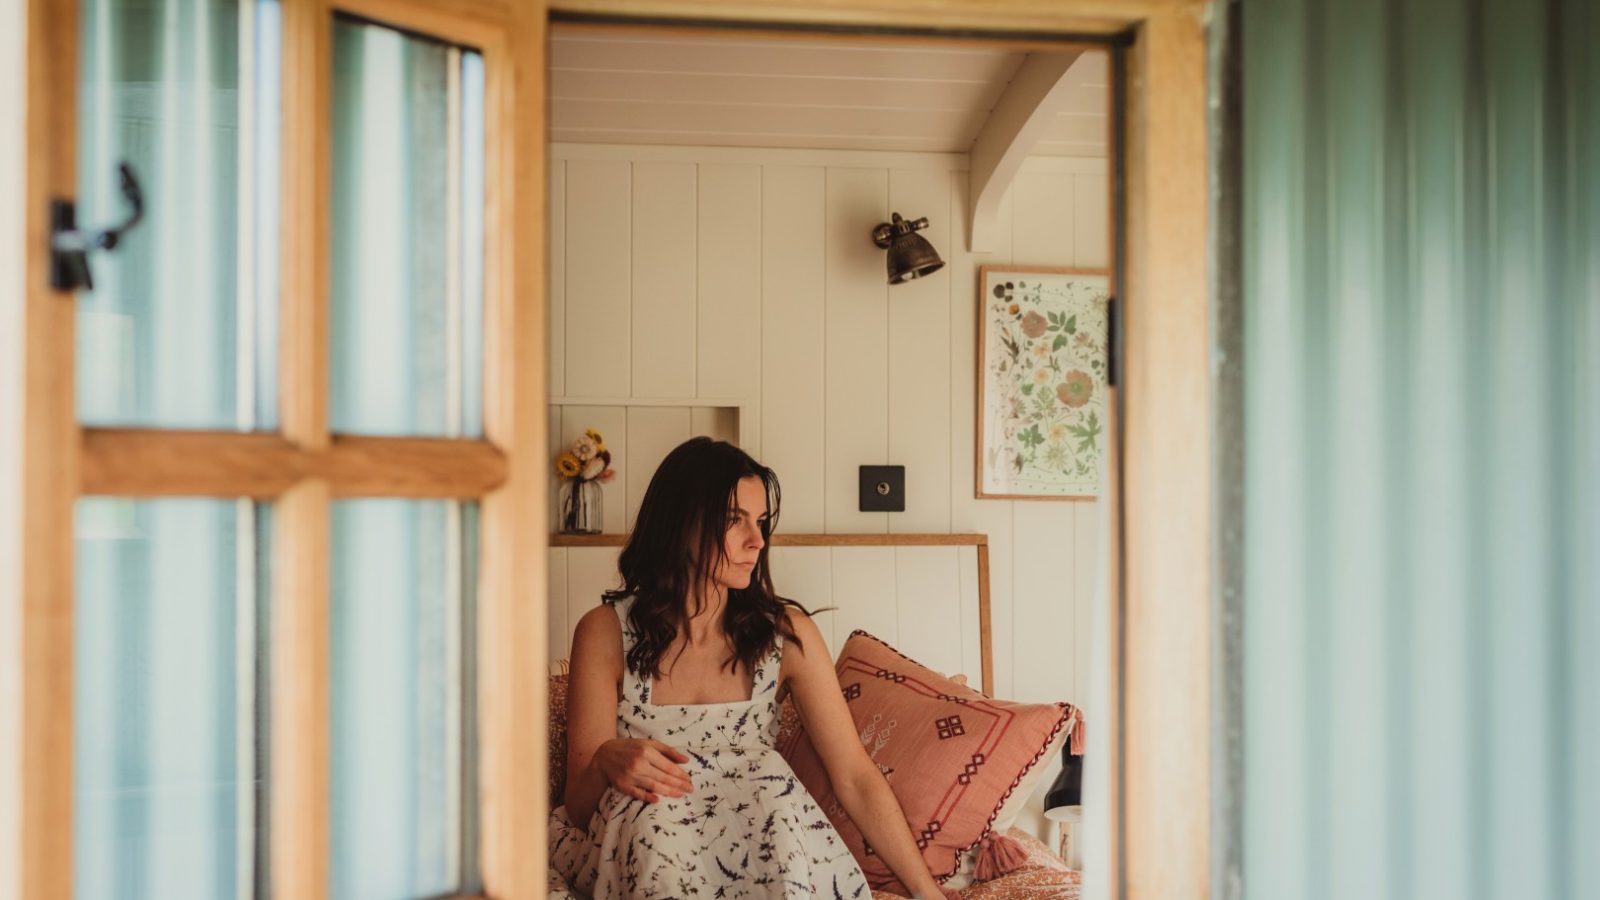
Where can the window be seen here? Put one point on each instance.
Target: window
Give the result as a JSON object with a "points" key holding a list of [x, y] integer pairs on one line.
{"points": [[293, 445]]}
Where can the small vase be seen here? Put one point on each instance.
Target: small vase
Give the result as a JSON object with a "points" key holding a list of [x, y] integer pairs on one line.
{"points": [[580, 506]]}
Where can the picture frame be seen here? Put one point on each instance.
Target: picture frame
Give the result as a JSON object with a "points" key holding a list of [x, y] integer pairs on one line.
{"points": [[1042, 363]]}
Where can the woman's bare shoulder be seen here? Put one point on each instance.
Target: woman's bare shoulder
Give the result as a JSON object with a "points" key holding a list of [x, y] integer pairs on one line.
{"points": [[598, 634], [602, 618], [805, 628]]}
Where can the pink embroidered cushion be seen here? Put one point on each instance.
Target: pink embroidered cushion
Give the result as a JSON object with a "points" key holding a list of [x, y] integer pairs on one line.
{"points": [[952, 755]]}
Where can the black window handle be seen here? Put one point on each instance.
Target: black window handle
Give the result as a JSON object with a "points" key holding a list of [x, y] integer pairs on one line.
{"points": [[70, 246]]}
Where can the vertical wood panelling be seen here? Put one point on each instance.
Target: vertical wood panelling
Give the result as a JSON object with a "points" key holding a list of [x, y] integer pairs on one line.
{"points": [[663, 322], [557, 363], [970, 622], [967, 513], [851, 371], [971, 636], [1048, 572], [591, 571], [864, 592], [928, 603], [730, 288], [599, 280], [856, 373], [553, 435], [612, 423], [1089, 549], [792, 285], [1042, 219], [1044, 626], [1091, 214], [560, 634], [919, 361], [719, 422], [652, 433], [805, 575]]}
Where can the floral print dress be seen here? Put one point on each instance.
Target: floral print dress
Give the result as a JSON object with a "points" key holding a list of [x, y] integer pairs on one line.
{"points": [[748, 830]]}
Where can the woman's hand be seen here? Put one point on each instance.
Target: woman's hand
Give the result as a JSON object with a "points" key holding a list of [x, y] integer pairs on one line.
{"points": [[937, 892], [644, 770]]}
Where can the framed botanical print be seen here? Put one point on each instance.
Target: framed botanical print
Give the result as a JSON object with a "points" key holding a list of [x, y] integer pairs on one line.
{"points": [[1043, 358]]}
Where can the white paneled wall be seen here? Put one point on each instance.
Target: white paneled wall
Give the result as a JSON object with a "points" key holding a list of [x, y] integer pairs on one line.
{"points": [[921, 599], [793, 333], [662, 354], [597, 302], [748, 277]]}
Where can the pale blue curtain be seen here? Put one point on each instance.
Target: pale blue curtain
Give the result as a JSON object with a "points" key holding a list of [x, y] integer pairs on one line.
{"points": [[402, 595], [408, 224], [168, 782], [406, 336], [169, 793], [1421, 612], [179, 330]]}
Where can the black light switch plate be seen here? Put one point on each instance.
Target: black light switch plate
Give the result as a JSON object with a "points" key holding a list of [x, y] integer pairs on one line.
{"points": [[883, 488]]}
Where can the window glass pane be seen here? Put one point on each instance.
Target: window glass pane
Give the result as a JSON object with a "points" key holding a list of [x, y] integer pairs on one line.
{"points": [[169, 792], [179, 330], [402, 591], [407, 234]]}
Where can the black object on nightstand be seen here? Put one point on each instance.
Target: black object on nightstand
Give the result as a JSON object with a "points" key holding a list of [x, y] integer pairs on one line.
{"points": [[1067, 789]]}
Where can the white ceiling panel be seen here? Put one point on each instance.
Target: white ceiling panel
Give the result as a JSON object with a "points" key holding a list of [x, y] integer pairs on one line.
{"points": [[665, 87]]}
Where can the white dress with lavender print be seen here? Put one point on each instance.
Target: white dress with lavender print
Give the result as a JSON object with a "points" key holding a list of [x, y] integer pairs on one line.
{"points": [[748, 830]]}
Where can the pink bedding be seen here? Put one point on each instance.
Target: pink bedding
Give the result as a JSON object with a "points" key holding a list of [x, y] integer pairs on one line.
{"points": [[1043, 877]]}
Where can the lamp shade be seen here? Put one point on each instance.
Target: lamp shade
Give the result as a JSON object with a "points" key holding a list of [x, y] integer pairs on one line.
{"points": [[1067, 789], [910, 255]]}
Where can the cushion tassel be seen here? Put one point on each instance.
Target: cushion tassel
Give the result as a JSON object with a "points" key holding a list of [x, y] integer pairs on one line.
{"points": [[998, 855]]}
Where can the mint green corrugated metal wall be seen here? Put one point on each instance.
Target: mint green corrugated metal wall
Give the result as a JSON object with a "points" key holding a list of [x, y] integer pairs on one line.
{"points": [[1421, 605]]}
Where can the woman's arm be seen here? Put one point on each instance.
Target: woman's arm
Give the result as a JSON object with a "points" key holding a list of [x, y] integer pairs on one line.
{"points": [[859, 785], [596, 758]]}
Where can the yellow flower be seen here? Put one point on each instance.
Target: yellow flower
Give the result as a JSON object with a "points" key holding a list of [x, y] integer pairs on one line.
{"points": [[568, 466], [599, 442]]}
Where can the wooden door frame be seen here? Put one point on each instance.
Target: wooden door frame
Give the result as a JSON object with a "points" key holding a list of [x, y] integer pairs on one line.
{"points": [[1161, 531], [1161, 667]]}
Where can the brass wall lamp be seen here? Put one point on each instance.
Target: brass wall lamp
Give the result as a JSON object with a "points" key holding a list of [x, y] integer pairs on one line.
{"points": [[910, 254]]}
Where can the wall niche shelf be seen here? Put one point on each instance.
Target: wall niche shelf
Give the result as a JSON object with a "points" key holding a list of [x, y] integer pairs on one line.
{"points": [[718, 417]]}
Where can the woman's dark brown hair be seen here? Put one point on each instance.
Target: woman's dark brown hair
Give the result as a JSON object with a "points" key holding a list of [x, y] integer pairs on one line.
{"points": [[678, 542]]}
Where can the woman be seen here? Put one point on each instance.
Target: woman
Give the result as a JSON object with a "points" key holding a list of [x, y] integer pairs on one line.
{"points": [[673, 713]]}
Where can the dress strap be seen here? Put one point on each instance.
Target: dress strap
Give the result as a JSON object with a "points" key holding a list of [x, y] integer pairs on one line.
{"points": [[629, 637], [766, 674], [634, 688]]}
